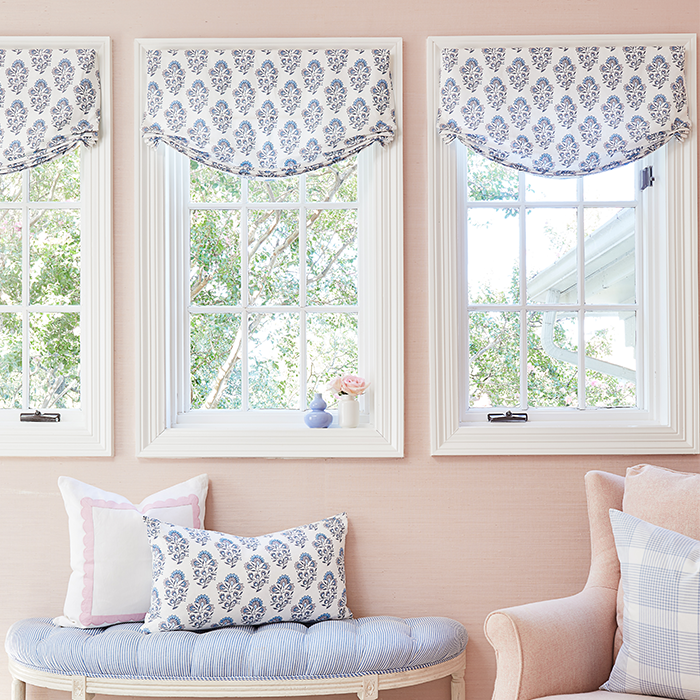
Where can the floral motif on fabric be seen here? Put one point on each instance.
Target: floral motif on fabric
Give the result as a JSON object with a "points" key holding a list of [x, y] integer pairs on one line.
{"points": [[340, 100], [200, 612], [563, 111], [49, 102], [294, 575], [204, 568]]}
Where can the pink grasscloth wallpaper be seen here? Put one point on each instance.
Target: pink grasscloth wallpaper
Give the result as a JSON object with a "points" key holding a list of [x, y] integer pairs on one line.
{"points": [[428, 536]]}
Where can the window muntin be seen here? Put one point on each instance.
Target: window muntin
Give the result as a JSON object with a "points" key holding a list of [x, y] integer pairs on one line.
{"points": [[551, 305], [273, 269]]}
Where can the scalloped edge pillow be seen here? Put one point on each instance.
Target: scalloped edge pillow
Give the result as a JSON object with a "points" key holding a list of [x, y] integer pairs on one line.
{"points": [[204, 579], [110, 556]]}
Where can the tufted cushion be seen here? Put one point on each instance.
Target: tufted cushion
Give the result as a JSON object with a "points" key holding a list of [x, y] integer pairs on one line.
{"points": [[339, 648]]}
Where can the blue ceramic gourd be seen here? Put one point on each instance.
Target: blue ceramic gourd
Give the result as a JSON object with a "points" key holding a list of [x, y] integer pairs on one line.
{"points": [[318, 417]]}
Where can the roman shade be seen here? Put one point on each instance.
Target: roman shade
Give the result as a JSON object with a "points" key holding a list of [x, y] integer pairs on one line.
{"points": [[268, 113], [49, 103], [563, 111]]}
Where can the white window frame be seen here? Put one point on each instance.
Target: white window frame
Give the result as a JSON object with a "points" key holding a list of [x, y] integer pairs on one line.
{"points": [[87, 431], [669, 424], [164, 431]]}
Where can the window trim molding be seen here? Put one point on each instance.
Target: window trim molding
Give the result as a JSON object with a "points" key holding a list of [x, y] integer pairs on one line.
{"points": [[87, 432], [159, 433], [671, 429]]}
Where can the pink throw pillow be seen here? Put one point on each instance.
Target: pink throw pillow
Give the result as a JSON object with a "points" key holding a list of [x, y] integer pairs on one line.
{"points": [[110, 555], [661, 497]]}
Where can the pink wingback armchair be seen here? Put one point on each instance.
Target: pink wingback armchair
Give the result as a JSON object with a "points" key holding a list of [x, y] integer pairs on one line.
{"points": [[566, 647]]}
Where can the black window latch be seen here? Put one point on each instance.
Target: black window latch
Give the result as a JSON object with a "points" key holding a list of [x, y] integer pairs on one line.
{"points": [[39, 417], [647, 178], [507, 417]]}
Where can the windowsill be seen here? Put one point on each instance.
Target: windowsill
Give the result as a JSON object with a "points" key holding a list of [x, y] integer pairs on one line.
{"points": [[264, 419], [287, 441], [74, 436], [561, 438]]}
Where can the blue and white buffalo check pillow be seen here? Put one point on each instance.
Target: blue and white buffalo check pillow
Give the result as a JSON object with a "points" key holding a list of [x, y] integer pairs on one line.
{"points": [[204, 579], [660, 654]]}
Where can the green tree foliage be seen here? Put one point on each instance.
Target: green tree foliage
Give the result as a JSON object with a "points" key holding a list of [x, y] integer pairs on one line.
{"points": [[495, 336], [490, 182], [279, 251], [494, 361], [45, 201]]}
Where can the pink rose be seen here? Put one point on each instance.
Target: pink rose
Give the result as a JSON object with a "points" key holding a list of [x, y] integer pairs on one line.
{"points": [[334, 385], [350, 384]]}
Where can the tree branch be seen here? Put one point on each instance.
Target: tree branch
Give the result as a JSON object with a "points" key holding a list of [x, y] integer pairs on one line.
{"points": [[254, 244], [331, 262], [219, 383]]}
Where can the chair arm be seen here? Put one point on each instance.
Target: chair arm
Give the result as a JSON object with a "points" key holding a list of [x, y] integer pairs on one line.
{"points": [[553, 647]]}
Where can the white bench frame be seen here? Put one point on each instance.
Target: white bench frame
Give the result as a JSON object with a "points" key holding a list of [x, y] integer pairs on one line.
{"points": [[366, 687]]}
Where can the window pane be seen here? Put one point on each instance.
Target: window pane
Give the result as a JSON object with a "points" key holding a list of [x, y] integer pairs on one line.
{"points": [[211, 185], [56, 181], [334, 183], [11, 187], [488, 181], [610, 256], [611, 374], [493, 254], [551, 256], [611, 186], [331, 257], [331, 350], [215, 361], [215, 259], [549, 189], [552, 360], [283, 189], [54, 256], [273, 361], [10, 360], [10, 256], [494, 359], [273, 249], [54, 355]]}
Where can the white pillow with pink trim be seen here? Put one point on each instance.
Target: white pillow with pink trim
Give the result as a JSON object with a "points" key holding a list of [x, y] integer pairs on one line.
{"points": [[110, 556]]}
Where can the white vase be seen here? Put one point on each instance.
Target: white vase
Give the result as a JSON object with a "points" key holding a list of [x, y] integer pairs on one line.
{"points": [[348, 411]]}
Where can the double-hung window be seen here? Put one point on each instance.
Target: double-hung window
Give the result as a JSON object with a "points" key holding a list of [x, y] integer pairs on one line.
{"points": [[270, 244], [55, 247], [272, 269], [563, 245]]}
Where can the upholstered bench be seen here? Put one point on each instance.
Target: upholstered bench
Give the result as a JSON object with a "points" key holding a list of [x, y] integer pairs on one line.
{"points": [[362, 656]]}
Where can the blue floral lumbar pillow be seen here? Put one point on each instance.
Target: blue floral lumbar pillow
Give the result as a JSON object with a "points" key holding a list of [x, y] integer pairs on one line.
{"points": [[660, 569], [204, 579]]}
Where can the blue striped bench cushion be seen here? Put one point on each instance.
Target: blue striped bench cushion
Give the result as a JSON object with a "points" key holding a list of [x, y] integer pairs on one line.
{"points": [[284, 650]]}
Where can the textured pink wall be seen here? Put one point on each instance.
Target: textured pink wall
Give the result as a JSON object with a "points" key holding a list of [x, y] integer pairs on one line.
{"points": [[450, 536]]}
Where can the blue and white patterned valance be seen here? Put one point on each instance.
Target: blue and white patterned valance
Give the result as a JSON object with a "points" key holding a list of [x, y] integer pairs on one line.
{"points": [[269, 113], [563, 111], [49, 103]]}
